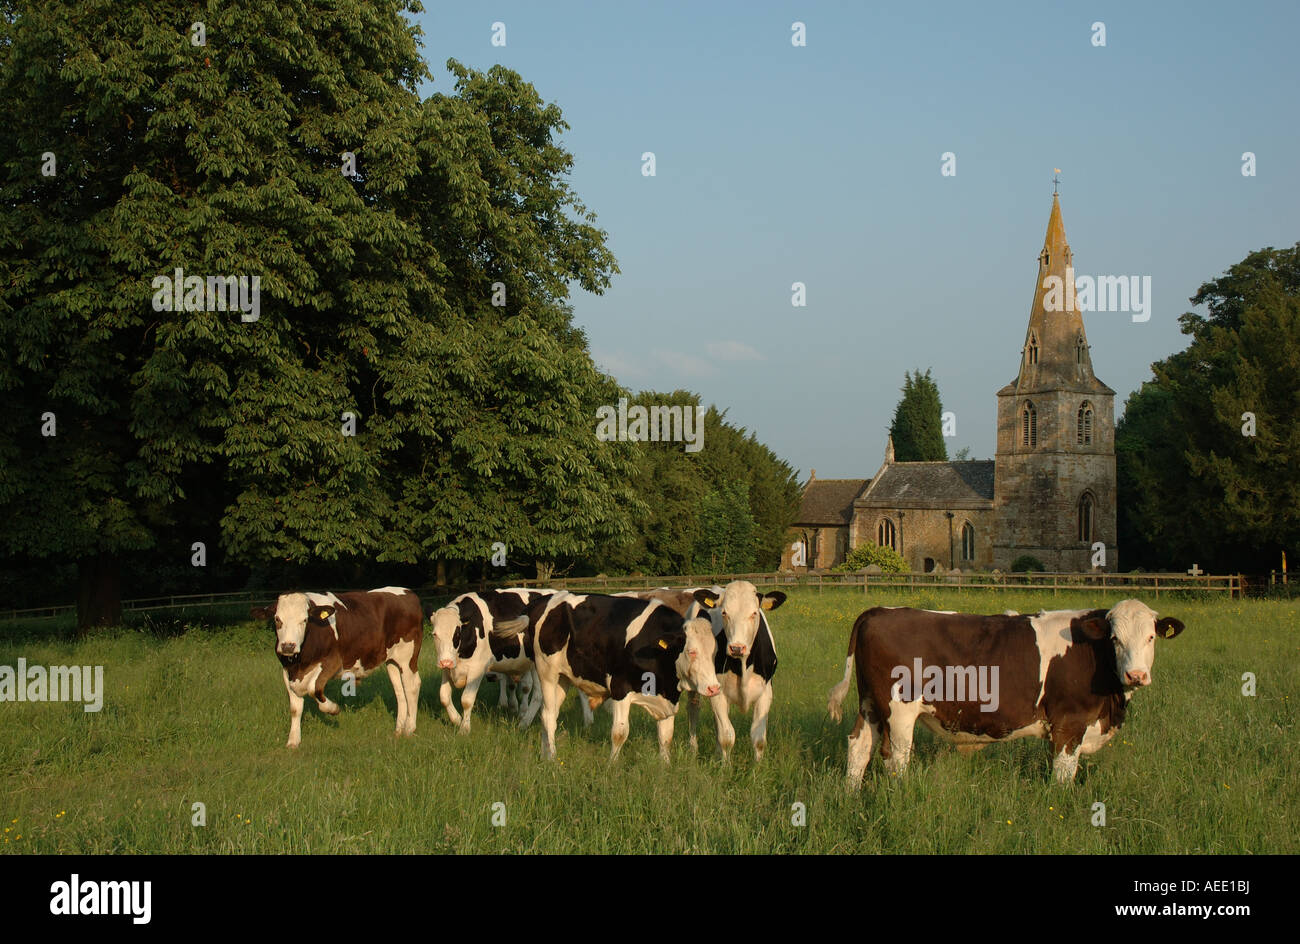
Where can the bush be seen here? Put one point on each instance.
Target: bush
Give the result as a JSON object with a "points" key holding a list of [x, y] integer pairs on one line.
{"points": [[1025, 563], [886, 558]]}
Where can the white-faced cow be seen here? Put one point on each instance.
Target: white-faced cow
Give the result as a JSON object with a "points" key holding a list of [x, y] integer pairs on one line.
{"points": [[745, 661], [1064, 675], [626, 650], [477, 633], [322, 635]]}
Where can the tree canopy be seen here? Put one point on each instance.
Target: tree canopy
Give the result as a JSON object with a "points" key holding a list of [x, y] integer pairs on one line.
{"points": [[1218, 429], [917, 427]]}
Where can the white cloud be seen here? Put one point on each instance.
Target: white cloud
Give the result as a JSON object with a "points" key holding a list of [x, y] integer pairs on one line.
{"points": [[733, 351]]}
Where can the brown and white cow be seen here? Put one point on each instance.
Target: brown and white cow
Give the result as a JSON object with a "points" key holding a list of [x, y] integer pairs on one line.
{"points": [[321, 635], [627, 650], [745, 661], [1063, 675]]}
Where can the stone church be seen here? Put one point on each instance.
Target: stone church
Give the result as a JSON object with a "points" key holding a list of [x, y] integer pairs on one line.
{"points": [[1049, 493]]}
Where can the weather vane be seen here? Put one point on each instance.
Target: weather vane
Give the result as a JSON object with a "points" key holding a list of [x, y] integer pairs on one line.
{"points": [[1057, 179]]}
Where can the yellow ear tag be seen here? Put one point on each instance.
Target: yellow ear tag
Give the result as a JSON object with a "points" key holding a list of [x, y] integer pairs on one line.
{"points": [[663, 644], [322, 615], [711, 602], [1169, 632]]}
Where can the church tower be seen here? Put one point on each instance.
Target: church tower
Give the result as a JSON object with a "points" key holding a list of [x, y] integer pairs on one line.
{"points": [[1054, 473]]}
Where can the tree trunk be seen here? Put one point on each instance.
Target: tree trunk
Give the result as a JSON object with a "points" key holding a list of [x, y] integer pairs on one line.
{"points": [[440, 578], [99, 592]]}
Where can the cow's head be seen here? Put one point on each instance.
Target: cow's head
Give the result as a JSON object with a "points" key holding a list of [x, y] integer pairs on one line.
{"points": [[740, 605], [292, 614], [696, 647], [454, 638], [1132, 627]]}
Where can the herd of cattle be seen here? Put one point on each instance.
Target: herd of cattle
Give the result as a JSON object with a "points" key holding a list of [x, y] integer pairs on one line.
{"points": [[1063, 675]]}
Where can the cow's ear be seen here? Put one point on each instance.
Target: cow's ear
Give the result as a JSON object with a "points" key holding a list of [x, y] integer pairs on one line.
{"points": [[1167, 627], [706, 598], [262, 612], [670, 642], [1092, 627], [770, 601], [320, 614]]}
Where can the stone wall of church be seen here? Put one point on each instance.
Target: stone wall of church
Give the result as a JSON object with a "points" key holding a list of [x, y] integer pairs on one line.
{"points": [[823, 547], [924, 536]]}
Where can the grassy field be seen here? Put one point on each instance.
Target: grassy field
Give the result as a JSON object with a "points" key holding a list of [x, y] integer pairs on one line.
{"points": [[202, 716]]}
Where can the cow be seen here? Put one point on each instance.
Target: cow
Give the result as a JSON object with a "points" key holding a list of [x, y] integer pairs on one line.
{"points": [[321, 635], [627, 650], [480, 632], [745, 660], [1062, 675]]}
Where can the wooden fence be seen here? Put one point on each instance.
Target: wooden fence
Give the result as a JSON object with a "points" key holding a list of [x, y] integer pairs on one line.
{"points": [[1231, 584]]}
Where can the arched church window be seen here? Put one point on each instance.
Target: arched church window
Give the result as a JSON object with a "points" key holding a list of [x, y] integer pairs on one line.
{"points": [[1029, 426], [1079, 349], [1087, 507], [1084, 426], [886, 534], [1031, 349], [968, 542]]}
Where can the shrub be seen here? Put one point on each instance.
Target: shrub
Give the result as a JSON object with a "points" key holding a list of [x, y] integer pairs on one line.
{"points": [[886, 558], [1025, 563]]}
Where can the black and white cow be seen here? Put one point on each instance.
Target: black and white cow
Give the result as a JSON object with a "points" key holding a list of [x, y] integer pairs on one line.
{"points": [[478, 633], [745, 661], [1063, 675], [321, 635], [627, 650]]}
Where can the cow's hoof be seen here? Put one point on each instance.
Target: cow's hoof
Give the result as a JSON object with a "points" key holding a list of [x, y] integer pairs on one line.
{"points": [[329, 709], [292, 745], [463, 728]]}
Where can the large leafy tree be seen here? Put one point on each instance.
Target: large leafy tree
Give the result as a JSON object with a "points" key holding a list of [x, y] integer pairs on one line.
{"points": [[471, 422], [917, 427], [1186, 438]]}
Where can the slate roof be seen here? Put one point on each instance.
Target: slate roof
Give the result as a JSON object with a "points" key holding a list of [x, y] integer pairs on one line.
{"points": [[829, 501], [933, 483]]}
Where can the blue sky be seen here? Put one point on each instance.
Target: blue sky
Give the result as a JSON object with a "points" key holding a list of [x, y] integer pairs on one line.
{"points": [[821, 164]]}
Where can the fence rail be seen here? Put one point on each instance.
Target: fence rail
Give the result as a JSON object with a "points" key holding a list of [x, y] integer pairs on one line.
{"points": [[1232, 584]]}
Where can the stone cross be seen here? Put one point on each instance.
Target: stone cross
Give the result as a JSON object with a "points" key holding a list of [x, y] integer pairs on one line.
{"points": [[1196, 570]]}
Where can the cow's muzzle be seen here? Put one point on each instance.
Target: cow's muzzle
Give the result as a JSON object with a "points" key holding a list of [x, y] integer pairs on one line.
{"points": [[736, 650], [446, 663], [711, 691], [288, 649], [1137, 678]]}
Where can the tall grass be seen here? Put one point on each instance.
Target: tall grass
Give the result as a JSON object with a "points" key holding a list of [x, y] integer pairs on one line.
{"points": [[201, 716]]}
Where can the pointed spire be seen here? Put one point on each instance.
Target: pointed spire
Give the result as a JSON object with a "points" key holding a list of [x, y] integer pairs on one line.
{"points": [[889, 450], [1055, 354]]}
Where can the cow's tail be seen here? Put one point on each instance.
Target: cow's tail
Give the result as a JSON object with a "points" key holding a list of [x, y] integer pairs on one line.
{"points": [[836, 703], [510, 627]]}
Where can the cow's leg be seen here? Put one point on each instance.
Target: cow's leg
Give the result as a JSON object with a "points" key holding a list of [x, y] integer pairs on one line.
{"points": [[862, 743], [399, 692], [323, 702], [467, 701], [1067, 745], [693, 719], [758, 728], [552, 696], [618, 733], [411, 684], [445, 696], [527, 714], [295, 714], [665, 732], [902, 721], [588, 716], [722, 717]]}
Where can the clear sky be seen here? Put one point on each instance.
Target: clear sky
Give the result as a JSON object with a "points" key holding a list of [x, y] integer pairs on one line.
{"points": [[821, 164]]}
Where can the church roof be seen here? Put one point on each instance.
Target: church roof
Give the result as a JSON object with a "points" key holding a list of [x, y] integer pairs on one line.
{"points": [[929, 484], [829, 501]]}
